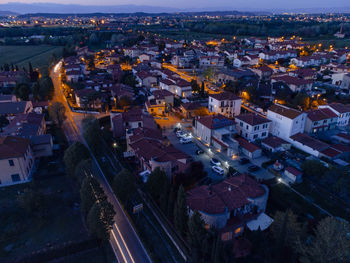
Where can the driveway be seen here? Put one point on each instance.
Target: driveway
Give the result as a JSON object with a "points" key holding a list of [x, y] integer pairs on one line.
{"points": [[190, 149]]}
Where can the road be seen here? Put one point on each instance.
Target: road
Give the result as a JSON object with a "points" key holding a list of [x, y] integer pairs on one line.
{"points": [[125, 243]]}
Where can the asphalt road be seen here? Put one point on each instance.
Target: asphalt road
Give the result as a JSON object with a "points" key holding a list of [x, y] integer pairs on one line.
{"points": [[124, 241]]}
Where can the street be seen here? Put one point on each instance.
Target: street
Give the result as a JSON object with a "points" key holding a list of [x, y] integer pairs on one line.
{"points": [[124, 241]]}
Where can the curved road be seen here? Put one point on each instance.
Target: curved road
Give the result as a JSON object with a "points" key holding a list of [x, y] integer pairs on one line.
{"points": [[125, 243]]}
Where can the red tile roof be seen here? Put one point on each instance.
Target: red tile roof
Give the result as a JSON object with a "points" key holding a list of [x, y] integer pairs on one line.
{"points": [[252, 119], [274, 141], [232, 193], [13, 147], [309, 141], [215, 121], [247, 145], [321, 114], [226, 95], [293, 170], [285, 111]]}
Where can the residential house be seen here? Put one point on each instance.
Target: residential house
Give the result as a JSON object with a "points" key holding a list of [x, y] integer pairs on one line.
{"points": [[229, 205], [294, 83], [308, 144], [225, 103], [252, 127], [248, 149], [286, 122], [217, 131], [292, 175], [264, 72], [10, 109], [341, 110], [275, 144], [190, 110], [322, 119], [145, 78], [211, 61], [16, 160]]}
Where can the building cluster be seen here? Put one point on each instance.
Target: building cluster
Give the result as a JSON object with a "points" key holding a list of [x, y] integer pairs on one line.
{"points": [[23, 139]]}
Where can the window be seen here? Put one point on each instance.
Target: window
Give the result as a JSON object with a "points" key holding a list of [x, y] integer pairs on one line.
{"points": [[222, 110], [263, 134], [241, 124], [222, 104], [255, 136], [15, 178], [11, 163]]}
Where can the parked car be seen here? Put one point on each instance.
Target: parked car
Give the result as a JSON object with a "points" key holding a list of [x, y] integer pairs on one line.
{"points": [[218, 170], [244, 161], [215, 162], [176, 130], [253, 168], [185, 140], [180, 134], [199, 152]]}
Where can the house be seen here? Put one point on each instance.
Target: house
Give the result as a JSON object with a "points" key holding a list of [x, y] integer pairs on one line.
{"points": [[233, 75], [342, 138], [225, 103], [335, 151], [217, 131], [322, 119], [74, 75], [26, 125], [12, 108], [292, 175], [252, 127], [341, 110], [87, 98], [286, 122], [193, 109], [294, 83], [145, 78], [16, 160], [275, 144], [264, 72], [132, 119], [42, 145], [308, 144], [248, 149], [229, 205], [211, 61], [177, 86], [152, 154]]}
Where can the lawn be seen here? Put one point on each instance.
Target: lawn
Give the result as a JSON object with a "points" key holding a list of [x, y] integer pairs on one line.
{"points": [[39, 55], [24, 232]]}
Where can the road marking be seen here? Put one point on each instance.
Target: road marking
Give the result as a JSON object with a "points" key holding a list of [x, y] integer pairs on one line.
{"points": [[124, 243]]}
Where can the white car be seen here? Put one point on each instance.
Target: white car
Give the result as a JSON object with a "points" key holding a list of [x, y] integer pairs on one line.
{"points": [[185, 140], [180, 134], [215, 162], [218, 170]]}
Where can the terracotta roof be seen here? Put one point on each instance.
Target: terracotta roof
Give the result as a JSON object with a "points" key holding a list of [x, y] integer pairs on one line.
{"points": [[289, 80], [161, 94], [341, 108], [13, 147], [330, 152], [215, 121], [285, 111], [232, 193], [274, 141], [252, 119], [343, 135], [191, 106], [321, 114], [226, 95], [293, 170], [309, 141], [247, 145]]}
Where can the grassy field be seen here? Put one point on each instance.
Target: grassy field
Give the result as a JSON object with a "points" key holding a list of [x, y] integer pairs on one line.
{"points": [[23, 232], [39, 56]]}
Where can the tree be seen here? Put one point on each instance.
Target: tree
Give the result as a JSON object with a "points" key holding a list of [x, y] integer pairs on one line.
{"points": [[286, 230], [209, 73], [46, 87], [171, 202], [195, 86], [180, 212], [302, 100], [90, 193], [157, 180], [57, 112], [313, 168], [3, 122], [196, 230], [92, 132], [93, 39], [100, 219], [22, 91], [124, 101], [330, 242], [73, 155], [83, 169], [123, 185], [36, 90]]}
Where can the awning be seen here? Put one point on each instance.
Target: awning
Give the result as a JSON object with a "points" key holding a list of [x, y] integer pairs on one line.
{"points": [[263, 222]]}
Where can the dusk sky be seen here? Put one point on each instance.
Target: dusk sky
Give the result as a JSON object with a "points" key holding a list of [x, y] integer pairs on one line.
{"points": [[232, 4]]}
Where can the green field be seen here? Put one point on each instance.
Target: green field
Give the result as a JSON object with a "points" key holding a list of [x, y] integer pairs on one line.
{"points": [[39, 55]]}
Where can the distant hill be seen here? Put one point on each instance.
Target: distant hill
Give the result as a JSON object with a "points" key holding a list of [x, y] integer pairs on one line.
{"points": [[7, 13]]}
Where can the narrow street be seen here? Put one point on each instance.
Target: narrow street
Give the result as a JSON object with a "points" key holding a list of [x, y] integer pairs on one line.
{"points": [[124, 241]]}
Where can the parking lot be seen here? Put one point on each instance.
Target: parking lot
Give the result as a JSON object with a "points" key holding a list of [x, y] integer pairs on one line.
{"points": [[191, 148]]}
